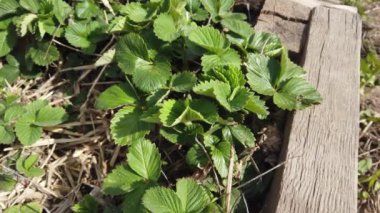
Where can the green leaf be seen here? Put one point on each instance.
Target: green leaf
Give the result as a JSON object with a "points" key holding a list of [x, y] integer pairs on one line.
{"points": [[61, 10], [174, 112], [106, 58], [262, 73], [86, 9], [34, 172], [133, 200], [266, 76], [29, 162], [23, 22], [149, 77], [116, 96], [50, 116], [288, 69], [162, 200], [157, 97], [218, 7], [44, 54], [220, 155], [133, 58], [48, 26], [144, 159], [265, 43], [32, 207], [225, 6], [117, 24], [212, 6], [255, 105], [243, 135], [207, 110], [165, 28], [297, 94], [8, 7], [25, 165], [33, 107], [127, 127], [137, 12], [183, 82], [170, 134], [26, 132], [210, 39], [121, 180], [206, 88], [86, 205], [12, 113], [193, 197], [31, 5], [200, 15], [77, 35], [7, 135], [242, 28], [232, 100], [196, 157], [7, 183], [83, 34], [228, 74], [182, 134], [364, 165], [133, 44], [193, 5], [7, 41], [9, 74], [229, 57]]}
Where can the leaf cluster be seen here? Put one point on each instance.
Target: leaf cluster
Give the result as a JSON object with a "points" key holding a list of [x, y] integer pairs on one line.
{"points": [[26, 122], [195, 74]]}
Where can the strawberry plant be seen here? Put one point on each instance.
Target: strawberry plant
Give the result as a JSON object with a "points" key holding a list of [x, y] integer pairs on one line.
{"points": [[195, 77], [27, 121]]}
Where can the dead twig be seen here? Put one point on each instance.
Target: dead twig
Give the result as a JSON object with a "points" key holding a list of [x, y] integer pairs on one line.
{"points": [[229, 179]]}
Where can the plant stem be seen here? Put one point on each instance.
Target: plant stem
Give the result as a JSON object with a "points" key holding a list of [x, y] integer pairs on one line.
{"points": [[229, 179]]}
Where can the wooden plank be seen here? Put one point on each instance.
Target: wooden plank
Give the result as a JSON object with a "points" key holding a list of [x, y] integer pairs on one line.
{"points": [[289, 19], [321, 143]]}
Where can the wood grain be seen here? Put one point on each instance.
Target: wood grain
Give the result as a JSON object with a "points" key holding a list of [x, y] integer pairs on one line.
{"points": [[321, 145], [289, 19]]}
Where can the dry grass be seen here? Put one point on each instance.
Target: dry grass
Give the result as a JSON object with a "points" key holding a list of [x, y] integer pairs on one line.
{"points": [[75, 156]]}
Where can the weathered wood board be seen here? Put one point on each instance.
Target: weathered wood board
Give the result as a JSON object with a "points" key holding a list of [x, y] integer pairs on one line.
{"points": [[321, 143], [289, 19]]}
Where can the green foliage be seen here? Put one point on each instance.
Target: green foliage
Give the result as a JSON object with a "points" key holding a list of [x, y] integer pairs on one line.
{"points": [[369, 70], [193, 75], [282, 80], [88, 204], [7, 183], [127, 126], [210, 39], [44, 54], [117, 95], [32, 207], [203, 107], [26, 166], [368, 178], [27, 121], [188, 197], [132, 180]]}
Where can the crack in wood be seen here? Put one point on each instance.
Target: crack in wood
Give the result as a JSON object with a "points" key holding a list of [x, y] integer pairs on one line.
{"points": [[284, 17]]}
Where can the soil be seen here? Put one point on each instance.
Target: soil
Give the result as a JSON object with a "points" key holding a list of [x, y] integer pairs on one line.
{"points": [[371, 100], [371, 27]]}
